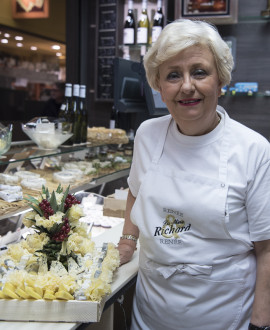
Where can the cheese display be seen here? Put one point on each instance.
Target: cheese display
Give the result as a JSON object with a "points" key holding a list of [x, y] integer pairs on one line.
{"points": [[59, 261], [87, 168], [93, 212], [102, 135], [74, 172], [11, 184]]}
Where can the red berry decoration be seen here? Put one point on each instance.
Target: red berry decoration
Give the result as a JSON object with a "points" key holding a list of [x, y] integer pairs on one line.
{"points": [[70, 200], [46, 208], [62, 234]]}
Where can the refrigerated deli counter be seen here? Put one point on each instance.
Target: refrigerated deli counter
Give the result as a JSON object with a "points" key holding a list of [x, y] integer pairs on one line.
{"points": [[25, 156], [106, 162]]}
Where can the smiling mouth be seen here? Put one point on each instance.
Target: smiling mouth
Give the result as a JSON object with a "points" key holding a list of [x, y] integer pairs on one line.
{"points": [[190, 102]]}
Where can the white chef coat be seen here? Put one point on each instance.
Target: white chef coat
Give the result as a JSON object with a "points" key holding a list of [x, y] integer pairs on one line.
{"points": [[196, 220]]}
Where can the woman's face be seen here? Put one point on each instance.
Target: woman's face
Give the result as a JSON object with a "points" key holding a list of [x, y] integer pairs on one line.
{"points": [[190, 87]]}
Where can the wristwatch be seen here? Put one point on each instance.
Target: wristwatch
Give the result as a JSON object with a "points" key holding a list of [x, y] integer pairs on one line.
{"points": [[254, 327]]}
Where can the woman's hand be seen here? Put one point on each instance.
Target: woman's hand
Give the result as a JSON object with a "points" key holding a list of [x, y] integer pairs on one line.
{"points": [[126, 252], [127, 247]]}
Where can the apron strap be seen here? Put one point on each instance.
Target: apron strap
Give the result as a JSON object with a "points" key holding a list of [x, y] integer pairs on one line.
{"points": [[161, 141], [223, 167]]}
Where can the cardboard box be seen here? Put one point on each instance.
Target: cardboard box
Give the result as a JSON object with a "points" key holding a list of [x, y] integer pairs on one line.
{"points": [[114, 207]]}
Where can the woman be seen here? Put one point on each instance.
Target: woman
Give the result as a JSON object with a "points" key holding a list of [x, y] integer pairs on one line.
{"points": [[199, 196]]}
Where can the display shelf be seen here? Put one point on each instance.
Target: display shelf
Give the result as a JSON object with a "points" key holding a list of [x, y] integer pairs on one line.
{"points": [[22, 155], [24, 152], [88, 184]]}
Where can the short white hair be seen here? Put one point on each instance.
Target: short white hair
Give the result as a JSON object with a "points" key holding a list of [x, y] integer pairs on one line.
{"points": [[184, 33]]}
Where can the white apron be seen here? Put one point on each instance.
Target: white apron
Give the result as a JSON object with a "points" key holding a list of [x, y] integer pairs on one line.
{"points": [[192, 274]]}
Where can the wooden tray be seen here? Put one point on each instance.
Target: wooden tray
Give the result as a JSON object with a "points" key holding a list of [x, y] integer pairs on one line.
{"points": [[51, 311]]}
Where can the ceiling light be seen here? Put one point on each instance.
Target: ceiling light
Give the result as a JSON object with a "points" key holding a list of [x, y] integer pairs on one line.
{"points": [[33, 48], [56, 47], [58, 54], [19, 44], [4, 41], [6, 35], [18, 38]]}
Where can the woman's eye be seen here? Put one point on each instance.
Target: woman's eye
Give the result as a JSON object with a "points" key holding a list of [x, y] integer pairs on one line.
{"points": [[173, 75], [199, 73]]}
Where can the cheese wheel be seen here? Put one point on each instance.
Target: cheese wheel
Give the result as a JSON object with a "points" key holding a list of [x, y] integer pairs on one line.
{"points": [[64, 177], [33, 183], [76, 172], [8, 179], [10, 188], [26, 175], [11, 196]]}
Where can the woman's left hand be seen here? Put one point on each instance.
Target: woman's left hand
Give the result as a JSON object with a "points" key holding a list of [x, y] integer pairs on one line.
{"points": [[126, 252]]}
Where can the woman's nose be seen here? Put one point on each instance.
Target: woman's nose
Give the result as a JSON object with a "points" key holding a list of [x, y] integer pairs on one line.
{"points": [[187, 86]]}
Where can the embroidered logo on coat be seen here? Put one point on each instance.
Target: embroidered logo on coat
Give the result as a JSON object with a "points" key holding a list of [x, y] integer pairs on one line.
{"points": [[171, 228]]}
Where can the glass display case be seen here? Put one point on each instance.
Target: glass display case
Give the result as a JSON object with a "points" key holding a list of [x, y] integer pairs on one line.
{"points": [[112, 162]]}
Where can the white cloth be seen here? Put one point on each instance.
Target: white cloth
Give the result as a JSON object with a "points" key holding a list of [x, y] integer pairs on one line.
{"points": [[193, 212]]}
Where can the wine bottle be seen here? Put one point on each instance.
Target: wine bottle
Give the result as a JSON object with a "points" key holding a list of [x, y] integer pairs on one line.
{"points": [[84, 114], [112, 119], [129, 26], [143, 25], [76, 114], [66, 114], [158, 22]]}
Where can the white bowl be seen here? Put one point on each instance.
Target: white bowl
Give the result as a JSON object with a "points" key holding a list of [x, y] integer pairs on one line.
{"points": [[5, 138], [48, 139]]}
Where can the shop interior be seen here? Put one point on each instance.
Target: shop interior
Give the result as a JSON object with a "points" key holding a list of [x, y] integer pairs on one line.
{"points": [[29, 74], [68, 46]]}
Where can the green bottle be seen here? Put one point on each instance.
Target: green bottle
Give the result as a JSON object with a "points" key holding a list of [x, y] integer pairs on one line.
{"points": [[158, 22], [66, 114], [76, 114], [143, 26], [129, 26], [84, 114]]}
